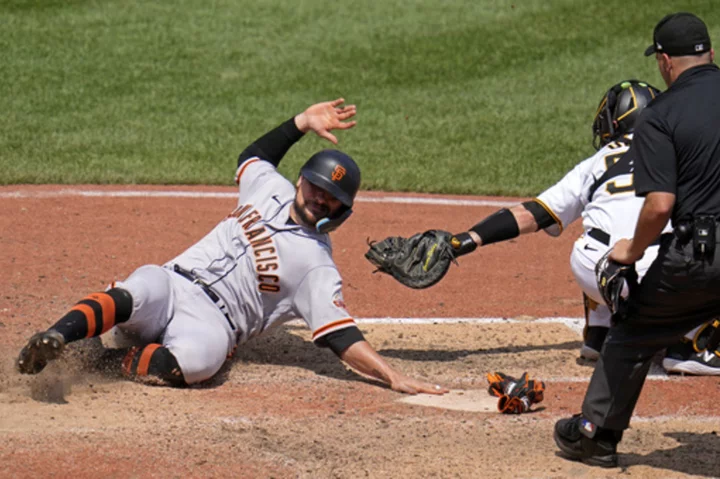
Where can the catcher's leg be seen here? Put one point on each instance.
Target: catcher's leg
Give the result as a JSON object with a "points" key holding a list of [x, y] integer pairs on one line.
{"points": [[91, 316], [713, 340], [585, 255], [697, 353], [597, 325]]}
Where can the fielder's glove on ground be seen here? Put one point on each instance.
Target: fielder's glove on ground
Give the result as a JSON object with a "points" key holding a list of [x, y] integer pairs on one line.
{"points": [[499, 383], [518, 395], [611, 278], [418, 262]]}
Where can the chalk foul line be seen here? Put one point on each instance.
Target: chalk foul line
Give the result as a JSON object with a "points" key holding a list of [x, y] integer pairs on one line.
{"points": [[68, 192]]}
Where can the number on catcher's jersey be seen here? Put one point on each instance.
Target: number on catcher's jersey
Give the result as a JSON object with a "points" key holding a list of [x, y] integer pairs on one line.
{"points": [[624, 168]]}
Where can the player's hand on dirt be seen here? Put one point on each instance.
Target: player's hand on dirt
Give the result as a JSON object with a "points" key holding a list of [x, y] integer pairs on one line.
{"points": [[408, 385], [326, 116], [622, 252]]}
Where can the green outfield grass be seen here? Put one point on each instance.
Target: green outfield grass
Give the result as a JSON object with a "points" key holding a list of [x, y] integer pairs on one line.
{"points": [[483, 96]]}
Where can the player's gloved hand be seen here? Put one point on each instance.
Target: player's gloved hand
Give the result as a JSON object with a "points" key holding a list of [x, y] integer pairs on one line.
{"points": [[419, 261], [462, 243], [519, 395], [612, 278]]}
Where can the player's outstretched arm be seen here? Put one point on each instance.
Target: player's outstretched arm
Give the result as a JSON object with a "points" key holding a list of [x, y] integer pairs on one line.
{"points": [[366, 361], [320, 118], [324, 117], [502, 225]]}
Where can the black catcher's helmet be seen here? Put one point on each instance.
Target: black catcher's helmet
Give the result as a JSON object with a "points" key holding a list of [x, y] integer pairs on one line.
{"points": [[619, 110], [339, 175]]}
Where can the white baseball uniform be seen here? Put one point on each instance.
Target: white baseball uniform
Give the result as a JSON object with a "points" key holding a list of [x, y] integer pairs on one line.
{"points": [[263, 269], [609, 210]]}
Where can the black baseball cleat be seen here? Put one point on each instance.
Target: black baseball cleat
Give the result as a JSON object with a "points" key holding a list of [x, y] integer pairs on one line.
{"points": [[42, 348], [580, 440]]}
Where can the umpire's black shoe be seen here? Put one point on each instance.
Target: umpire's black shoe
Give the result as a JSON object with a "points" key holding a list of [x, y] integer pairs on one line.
{"points": [[41, 348], [581, 440]]}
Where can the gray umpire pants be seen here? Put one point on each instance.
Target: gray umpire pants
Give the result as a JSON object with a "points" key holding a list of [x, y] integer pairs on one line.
{"points": [[677, 294]]}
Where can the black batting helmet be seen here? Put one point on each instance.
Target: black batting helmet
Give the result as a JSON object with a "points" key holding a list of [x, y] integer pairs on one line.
{"points": [[339, 175], [619, 110]]}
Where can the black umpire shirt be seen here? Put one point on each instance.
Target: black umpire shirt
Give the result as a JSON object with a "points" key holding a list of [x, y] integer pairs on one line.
{"points": [[676, 145]]}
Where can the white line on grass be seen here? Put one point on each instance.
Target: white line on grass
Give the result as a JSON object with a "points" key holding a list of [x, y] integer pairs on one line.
{"points": [[208, 194]]}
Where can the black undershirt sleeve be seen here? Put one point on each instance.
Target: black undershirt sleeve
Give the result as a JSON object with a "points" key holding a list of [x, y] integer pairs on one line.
{"points": [[542, 217], [339, 341], [273, 145]]}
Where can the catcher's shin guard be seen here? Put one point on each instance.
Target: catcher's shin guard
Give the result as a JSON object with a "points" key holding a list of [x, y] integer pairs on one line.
{"points": [[713, 335], [153, 360], [593, 336], [707, 336], [95, 314]]}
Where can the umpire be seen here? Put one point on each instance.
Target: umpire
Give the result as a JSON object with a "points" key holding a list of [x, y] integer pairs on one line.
{"points": [[676, 152]]}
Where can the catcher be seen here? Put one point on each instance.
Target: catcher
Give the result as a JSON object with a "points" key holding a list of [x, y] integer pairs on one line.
{"points": [[599, 190]]}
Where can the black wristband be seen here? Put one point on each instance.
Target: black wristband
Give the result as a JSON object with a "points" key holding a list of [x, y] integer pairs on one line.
{"points": [[462, 243], [499, 226]]}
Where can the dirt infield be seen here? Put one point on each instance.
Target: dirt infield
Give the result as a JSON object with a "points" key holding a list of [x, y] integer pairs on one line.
{"points": [[283, 408]]}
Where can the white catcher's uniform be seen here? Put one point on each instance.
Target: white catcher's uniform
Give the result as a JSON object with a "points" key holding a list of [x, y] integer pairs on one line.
{"points": [[609, 210], [263, 270]]}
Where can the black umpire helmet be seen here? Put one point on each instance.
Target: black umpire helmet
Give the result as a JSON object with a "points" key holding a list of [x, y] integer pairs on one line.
{"points": [[339, 175], [619, 110]]}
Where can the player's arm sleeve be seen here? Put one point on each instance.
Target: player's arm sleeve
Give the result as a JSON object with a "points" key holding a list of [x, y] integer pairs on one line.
{"points": [[273, 145], [563, 202], [543, 216], [319, 301], [655, 160], [339, 341]]}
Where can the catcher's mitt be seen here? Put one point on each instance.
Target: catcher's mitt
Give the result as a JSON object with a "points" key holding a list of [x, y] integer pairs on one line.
{"points": [[611, 278], [418, 262]]}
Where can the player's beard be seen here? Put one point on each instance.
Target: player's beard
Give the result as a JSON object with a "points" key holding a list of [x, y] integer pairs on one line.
{"points": [[307, 216]]}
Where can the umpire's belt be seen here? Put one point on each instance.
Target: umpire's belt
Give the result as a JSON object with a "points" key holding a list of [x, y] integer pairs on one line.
{"points": [[189, 275], [604, 238]]}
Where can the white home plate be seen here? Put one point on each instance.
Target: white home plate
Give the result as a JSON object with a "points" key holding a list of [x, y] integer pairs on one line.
{"points": [[472, 400]]}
